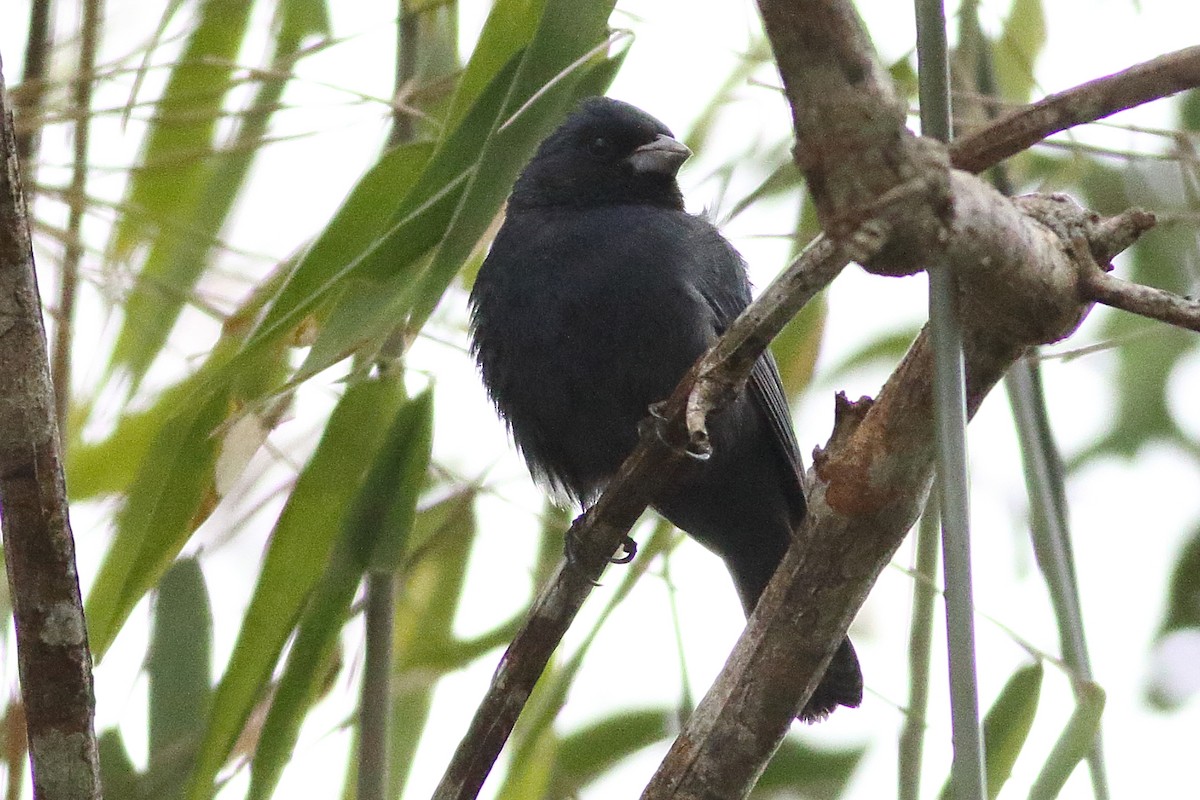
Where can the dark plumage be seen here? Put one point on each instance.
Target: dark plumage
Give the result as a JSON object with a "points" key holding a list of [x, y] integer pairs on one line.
{"points": [[599, 292]]}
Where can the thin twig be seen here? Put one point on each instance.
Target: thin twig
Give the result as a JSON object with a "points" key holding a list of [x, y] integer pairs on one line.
{"points": [[1146, 301], [81, 103], [967, 778], [1152, 80], [38, 46]]}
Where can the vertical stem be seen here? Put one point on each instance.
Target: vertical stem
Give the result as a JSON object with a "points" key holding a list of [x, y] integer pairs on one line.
{"points": [[1052, 536], [912, 737], [33, 77], [81, 106], [375, 708], [1044, 479], [375, 711], [950, 420]]}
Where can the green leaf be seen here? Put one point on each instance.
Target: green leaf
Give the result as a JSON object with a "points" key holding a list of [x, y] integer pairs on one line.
{"points": [[176, 262], [184, 124], [159, 514], [1007, 723], [1149, 352], [1017, 50], [883, 351], [1183, 596], [424, 627], [300, 547], [550, 71], [1189, 110], [509, 28], [118, 775], [1006, 726], [799, 769], [308, 663], [178, 671], [369, 262], [203, 190], [586, 754], [785, 179], [176, 182], [1073, 745], [388, 499], [373, 529], [797, 346], [172, 491], [425, 647], [110, 466]]}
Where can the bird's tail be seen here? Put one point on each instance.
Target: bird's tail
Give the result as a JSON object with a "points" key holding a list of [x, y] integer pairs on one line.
{"points": [[841, 685]]}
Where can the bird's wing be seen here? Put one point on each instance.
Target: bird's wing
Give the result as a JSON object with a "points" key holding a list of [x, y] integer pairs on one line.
{"points": [[767, 389], [728, 299]]}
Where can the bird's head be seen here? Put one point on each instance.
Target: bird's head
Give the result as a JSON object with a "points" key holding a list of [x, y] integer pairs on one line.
{"points": [[607, 152]]}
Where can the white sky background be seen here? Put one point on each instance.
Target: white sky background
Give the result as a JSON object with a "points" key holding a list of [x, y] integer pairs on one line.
{"points": [[1129, 518]]}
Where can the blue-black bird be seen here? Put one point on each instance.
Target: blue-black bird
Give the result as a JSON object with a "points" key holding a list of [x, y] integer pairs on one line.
{"points": [[598, 294]]}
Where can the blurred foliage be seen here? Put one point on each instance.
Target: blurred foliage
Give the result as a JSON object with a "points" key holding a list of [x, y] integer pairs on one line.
{"points": [[165, 444]]}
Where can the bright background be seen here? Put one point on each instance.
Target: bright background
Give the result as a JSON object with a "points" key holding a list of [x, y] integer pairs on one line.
{"points": [[1130, 517]]}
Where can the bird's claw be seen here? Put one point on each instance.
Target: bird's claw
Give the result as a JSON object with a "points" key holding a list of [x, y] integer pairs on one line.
{"points": [[627, 552], [575, 550], [656, 424]]}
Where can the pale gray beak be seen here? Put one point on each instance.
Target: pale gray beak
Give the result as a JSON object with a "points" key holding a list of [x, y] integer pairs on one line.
{"points": [[664, 156]]}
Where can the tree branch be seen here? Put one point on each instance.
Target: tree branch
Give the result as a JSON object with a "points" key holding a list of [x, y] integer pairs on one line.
{"points": [[867, 488], [52, 651], [1135, 298], [1155, 79]]}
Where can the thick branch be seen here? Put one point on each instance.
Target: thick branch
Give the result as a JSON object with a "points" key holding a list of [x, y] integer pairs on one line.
{"points": [[868, 487], [1019, 273], [52, 650], [851, 143]]}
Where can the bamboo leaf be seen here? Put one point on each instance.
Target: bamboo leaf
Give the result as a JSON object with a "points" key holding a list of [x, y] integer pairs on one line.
{"points": [[157, 518], [388, 499], [1073, 745], [365, 534], [798, 768], [172, 491], [1018, 48], [567, 44], [300, 547], [1006, 726], [586, 754], [425, 611], [206, 189], [117, 773], [180, 686]]}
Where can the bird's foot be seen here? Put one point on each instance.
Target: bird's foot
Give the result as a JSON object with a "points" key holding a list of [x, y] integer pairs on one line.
{"points": [[576, 550], [656, 424]]}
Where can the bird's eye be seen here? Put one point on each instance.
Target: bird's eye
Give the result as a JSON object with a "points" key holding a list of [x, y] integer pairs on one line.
{"points": [[600, 147]]}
